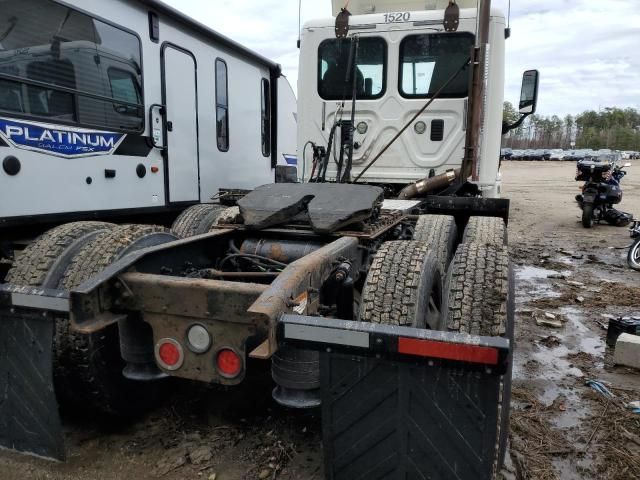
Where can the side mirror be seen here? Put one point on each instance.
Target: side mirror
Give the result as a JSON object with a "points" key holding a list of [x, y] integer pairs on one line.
{"points": [[529, 92]]}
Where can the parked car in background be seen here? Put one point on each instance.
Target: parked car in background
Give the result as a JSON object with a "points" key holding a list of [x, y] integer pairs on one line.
{"points": [[537, 154], [506, 153], [516, 154], [556, 154]]}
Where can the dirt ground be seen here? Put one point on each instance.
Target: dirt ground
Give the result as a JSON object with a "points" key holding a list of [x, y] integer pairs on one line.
{"points": [[560, 427]]}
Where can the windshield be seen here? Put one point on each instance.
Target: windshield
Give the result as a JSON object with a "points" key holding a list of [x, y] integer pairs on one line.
{"points": [[428, 61], [333, 58]]}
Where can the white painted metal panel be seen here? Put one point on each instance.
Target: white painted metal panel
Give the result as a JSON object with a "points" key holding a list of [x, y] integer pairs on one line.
{"points": [[413, 155], [182, 125], [363, 7]]}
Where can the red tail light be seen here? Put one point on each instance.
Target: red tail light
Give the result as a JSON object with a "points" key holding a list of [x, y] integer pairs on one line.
{"points": [[229, 363], [169, 354]]}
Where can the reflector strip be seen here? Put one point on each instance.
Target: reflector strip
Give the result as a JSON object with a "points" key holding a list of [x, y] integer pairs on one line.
{"points": [[448, 351], [327, 335]]}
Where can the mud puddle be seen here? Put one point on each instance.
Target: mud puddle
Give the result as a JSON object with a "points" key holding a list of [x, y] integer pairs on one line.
{"points": [[557, 419]]}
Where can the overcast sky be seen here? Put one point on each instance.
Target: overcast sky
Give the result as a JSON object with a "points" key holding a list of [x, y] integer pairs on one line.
{"points": [[587, 51]]}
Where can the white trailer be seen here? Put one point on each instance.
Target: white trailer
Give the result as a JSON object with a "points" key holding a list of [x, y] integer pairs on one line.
{"points": [[404, 57], [129, 107]]}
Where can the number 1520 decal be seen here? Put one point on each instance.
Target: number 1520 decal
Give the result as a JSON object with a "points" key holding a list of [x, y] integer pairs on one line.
{"points": [[397, 17]]}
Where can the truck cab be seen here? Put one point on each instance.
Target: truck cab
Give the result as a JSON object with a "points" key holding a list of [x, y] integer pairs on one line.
{"points": [[403, 56]]}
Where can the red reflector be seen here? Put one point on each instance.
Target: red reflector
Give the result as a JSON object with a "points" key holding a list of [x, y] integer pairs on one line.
{"points": [[229, 363], [154, 169], [448, 351], [169, 354]]}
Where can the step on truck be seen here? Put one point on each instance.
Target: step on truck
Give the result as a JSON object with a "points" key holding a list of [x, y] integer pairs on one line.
{"points": [[380, 293]]}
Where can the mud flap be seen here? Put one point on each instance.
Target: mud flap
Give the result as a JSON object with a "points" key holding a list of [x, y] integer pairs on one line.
{"points": [[405, 403], [407, 420], [29, 418]]}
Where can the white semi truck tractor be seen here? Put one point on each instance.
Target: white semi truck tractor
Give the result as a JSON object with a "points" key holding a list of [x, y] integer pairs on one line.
{"points": [[377, 284], [404, 56]]}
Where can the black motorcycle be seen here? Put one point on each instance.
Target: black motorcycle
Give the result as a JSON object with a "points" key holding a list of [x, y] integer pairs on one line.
{"points": [[601, 192], [633, 258]]}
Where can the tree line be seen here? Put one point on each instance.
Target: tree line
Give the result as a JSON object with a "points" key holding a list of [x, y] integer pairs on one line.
{"points": [[611, 127]]}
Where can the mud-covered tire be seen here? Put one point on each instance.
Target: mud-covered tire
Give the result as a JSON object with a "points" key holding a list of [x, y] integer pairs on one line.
{"points": [[227, 215], [486, 231], [587, 215], [88, 370], [480, 300], [196, 220], [438, 233], [403, 286], [34, 263], [477, 288]]}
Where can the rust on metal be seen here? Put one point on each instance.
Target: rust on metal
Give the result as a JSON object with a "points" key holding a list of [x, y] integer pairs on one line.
{"points": [[342, 23], [427, 185], [212, 273], [373, 229], [304, 275], [452, 17], [261, 352], [476, 99], [171, 305], [201, 366], [101, 321], [192, 297]]}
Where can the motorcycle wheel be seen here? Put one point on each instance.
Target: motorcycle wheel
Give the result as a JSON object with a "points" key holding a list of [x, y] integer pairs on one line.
{"points": [[633, 258], [587, 215]]}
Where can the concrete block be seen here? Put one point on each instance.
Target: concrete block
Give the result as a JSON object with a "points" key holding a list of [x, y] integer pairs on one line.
{"points": [[627, 351]]}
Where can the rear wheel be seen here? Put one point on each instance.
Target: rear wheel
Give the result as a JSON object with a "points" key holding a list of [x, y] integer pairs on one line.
{"points": [[486, 231], [438, 233], [480, 300], [403, 287], [587, 215], [89, 368], [633, 258], [196, 220], [43, 262]]}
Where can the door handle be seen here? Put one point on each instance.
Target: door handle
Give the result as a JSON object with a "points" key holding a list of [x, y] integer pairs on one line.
{"points": [[169, 126]]}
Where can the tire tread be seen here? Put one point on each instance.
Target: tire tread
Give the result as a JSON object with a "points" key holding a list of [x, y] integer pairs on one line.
{"points": [[390, 294], [196, 220], [486, 231], [439, 233], [35, 261]]}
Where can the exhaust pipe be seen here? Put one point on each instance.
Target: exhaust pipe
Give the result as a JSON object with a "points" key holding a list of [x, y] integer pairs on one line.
{"points": [[427, 185]]}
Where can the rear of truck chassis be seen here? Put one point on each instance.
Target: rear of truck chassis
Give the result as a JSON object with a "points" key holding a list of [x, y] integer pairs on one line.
{"points": [[403, 393]]}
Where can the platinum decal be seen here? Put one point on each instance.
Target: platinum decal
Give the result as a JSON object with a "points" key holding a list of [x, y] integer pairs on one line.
{"points": [[58, 140]]}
